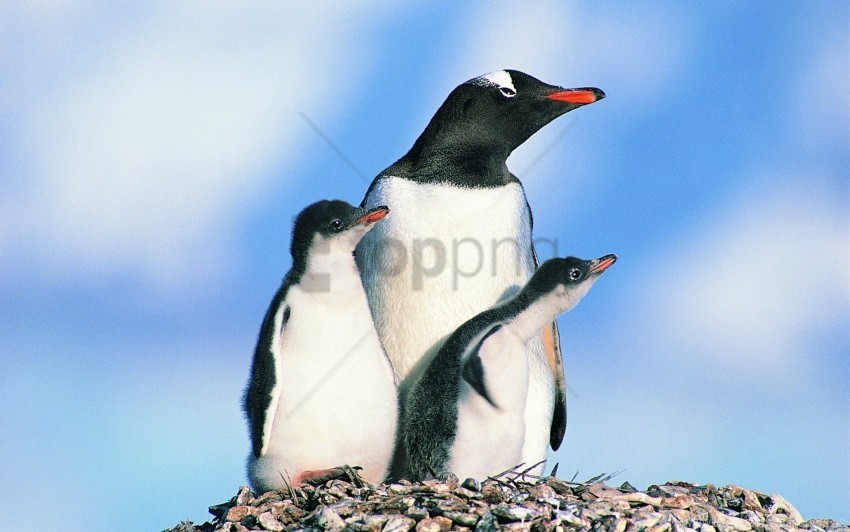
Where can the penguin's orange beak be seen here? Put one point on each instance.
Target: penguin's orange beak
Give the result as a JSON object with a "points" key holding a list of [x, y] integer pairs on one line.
{"points": [[374, 215], [577, 96], [602, 263]]}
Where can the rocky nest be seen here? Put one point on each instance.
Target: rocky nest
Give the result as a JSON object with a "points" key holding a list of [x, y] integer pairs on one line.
{"points": [[511, 501]]}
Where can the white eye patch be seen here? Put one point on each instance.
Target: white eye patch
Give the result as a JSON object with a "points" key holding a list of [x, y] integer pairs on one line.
{"points": [[499, 79]]}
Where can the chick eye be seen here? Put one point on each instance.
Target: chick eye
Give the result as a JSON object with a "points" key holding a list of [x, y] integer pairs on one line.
{"points": [[575, 274], [336, 224], [507, 92]]}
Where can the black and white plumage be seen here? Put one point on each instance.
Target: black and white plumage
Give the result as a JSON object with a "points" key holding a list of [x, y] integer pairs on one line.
{"points": [[321, 393], [466, 415], [460, 238]]}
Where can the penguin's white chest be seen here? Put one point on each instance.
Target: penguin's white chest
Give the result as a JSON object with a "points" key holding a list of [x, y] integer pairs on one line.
{"points": [[445, 254], [335, 394]]}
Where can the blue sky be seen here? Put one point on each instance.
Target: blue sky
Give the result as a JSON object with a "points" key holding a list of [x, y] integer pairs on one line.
{"points": [[152, 157]]}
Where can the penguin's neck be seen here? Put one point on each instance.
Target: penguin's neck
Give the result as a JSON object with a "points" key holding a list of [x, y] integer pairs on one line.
{"points": [[470, 164], [531, 313], [331, 272]]}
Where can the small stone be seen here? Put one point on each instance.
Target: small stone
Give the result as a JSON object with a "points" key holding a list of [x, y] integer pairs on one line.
{"points": [[466, 493], [439, 487], [375, 522], [471, 484], [243, 496], [450, 479], [680, 515], [780, 505], [268, 522], [250, 520], [444, 522], [571, 519], [641, 498], [561, 487], [345, 511], [428, 525], [554, 502], [729, 521], [238, 513], [408, 501], [626, 487], [267, 497], [777, 519], [492, 494], [542, 491], [397, 523], [586, 496], [751, 502], [517, 526], [679, 501], [417, 513], [462, 518], [751, 516], [294, 512], [329, 520], [647, 521], [602, 491], [514, 513], [518, 498], [487, 523], [359, 526]]}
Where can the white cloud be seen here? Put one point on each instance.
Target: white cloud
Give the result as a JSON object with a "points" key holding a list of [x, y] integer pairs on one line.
{"points": [[743, 295], [818, 101], [637, 48], [145, 145]]}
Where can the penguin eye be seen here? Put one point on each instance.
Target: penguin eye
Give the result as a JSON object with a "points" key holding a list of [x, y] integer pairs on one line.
{"points": [[507, 92], [336, 224], [575, 274]]}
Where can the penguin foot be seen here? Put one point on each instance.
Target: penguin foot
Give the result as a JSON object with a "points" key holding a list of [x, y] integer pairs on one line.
{"points": [[317, 477]]}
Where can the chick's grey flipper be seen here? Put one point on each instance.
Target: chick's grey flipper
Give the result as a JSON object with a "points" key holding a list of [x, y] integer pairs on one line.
{"points": [[552, 345]]}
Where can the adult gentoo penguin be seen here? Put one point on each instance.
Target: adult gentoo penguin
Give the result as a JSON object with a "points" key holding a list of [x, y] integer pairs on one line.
{"points": [[321, 393], [481, 375], [460, 239]]}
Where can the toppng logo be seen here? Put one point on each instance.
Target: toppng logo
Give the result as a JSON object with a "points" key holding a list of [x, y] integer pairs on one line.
{"points": [[422, 259]]}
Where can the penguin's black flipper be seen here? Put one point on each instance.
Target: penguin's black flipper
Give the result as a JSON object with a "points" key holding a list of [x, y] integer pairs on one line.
{"points": [[473, 369], [257, 397]]}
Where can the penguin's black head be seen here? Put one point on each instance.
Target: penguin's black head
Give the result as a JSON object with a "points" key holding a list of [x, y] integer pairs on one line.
{"points": [[332, 221], [568, 277], [501, 110]]}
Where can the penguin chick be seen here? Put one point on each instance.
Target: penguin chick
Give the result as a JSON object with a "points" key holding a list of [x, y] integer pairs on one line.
{"points": [[321, 392], [466, 415]]}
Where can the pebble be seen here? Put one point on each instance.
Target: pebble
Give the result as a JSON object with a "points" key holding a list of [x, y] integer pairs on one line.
{"points": [[329, 520], [509, 502], [471, 484], [399, 523], [428, 525], [269, 522]]}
